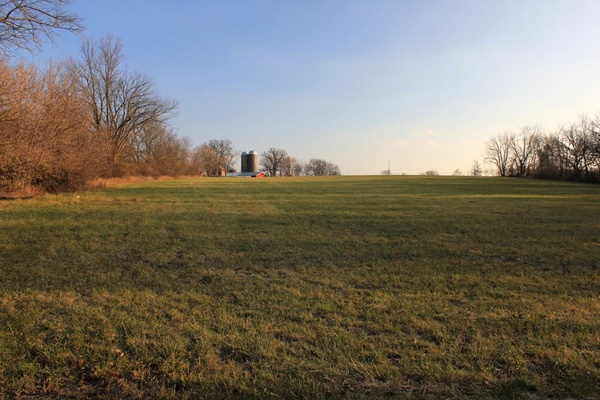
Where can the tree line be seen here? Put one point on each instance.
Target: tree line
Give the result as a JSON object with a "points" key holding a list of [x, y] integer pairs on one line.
{"points": [[77, 119], [213, 157], [88, 117], [277, 162], [570, 153], [83, 118]]}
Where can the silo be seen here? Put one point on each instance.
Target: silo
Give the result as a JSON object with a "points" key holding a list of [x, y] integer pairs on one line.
{"points": [[252, 161], [244, 162]]}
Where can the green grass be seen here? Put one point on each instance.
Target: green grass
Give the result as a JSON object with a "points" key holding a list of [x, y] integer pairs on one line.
{"points": [[346, 287]]}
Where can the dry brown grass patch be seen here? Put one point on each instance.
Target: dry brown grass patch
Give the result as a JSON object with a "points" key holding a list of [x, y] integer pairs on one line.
{"points": [[128, 180]]}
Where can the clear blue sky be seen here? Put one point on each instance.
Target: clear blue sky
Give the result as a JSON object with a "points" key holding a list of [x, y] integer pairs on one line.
{"points": [[422, 84]]}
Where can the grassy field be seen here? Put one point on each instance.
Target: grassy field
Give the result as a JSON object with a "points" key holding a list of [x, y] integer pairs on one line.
{"points": [[346, 287]]}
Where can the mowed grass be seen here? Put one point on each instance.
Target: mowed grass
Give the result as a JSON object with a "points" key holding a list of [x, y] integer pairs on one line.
{"points": [[346, 287]]}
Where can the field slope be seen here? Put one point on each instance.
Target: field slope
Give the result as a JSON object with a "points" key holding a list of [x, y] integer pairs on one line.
{"points": [[346, 287]]}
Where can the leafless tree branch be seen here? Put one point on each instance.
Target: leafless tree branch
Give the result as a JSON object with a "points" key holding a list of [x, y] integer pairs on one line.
{"points": [[26, 24]]}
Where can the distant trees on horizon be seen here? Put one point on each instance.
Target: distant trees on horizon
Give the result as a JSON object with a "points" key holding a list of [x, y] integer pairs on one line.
{"points": [[277, 162], [570, 153]]}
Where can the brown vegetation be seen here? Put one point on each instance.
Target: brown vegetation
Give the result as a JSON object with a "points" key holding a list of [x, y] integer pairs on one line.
{"points": [[44, 142], [55, 136], [74, 122]]}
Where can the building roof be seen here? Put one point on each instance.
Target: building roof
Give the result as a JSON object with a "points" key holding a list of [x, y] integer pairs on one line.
{"points": [[257, 174]]}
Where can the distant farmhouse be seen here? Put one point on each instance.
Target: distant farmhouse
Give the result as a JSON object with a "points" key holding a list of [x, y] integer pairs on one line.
{"points": [[227, 170]]}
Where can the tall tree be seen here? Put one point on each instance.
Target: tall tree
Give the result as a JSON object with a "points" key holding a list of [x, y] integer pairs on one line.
{"points": [[223, 149], [579, 146], [26, 24], [272, 160], [551, 158], [499, 153], [121, 103], [290, 166], [212, 157], [158, 151], [524, 149], [595, 133]]}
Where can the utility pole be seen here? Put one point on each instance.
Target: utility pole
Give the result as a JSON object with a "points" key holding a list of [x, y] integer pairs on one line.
{"points": [[389, 170]]}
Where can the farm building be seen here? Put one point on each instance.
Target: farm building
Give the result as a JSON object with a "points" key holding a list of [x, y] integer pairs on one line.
{"points": [[250, 165], [249, 161], [227, 170], [251, 174]]}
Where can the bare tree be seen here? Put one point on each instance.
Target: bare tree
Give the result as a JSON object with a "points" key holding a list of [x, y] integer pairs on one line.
{"points": [[223, 149], [573, 152], [595, 133], [318, 167], [121, 103], [290, 166], [524, 149], [205, 161], [158, 151], [578, 141], [476, 169], [272, 160], [297, 166], [499, 153], [214, 156], [26, 24], [17, 85], [551, 158]]}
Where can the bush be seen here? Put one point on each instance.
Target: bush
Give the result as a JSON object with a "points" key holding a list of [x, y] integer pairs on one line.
{"points": [[18, 175]]}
